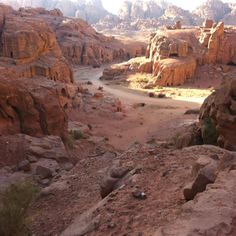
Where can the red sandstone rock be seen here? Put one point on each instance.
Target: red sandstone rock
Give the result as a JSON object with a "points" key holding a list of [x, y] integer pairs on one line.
{"points": [[173, 72], [218, 116], [29, 47], [34, 107]]}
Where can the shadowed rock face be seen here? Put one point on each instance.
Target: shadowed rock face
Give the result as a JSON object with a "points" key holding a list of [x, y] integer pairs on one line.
{"points": [[218, 116], [32, 106]]}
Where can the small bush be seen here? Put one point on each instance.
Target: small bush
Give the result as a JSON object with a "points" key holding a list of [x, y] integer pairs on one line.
{"points": [[14, 203], [209, 132], [76, 134], [73, 136]]}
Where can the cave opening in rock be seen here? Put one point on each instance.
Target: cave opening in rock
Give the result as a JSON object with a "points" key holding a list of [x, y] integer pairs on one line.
{"points": [[11, 54]]}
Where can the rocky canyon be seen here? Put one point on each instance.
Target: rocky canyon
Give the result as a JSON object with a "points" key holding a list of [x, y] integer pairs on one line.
{"points": [[117, 124]]}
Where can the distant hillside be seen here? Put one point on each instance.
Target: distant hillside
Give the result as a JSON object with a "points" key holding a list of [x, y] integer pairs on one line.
{"points": [[136, 13]]}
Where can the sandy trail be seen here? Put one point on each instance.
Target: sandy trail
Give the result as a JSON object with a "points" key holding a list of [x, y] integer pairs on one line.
{"points": [[159, 119], [131, 96]]}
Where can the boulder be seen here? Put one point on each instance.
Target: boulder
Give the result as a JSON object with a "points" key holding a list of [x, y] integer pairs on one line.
{"points": [[206, 175], [173, 72], [114, 178], [218, 116], [45, 168], [17, 148]]}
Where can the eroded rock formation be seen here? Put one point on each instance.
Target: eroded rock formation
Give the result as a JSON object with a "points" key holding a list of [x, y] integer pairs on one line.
{"points": [[173, 56], [29, 47], [80, 43], [35, 106]]}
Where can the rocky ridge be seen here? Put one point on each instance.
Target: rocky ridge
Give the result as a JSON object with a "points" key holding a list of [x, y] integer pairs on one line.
{"points": [[173, 55], [136, 15], [89, 10]]}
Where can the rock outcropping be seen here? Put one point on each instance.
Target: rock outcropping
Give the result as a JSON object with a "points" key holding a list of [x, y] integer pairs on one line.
{"points": [[80, 43], [218, 116], [36, 81]]}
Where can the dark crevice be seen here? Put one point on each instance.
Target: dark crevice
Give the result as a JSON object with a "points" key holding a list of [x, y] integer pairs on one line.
{"points": [[19, 114], [42, 116]]}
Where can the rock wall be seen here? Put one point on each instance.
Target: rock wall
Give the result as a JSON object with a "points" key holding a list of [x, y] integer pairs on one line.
{"points": [[220, 44], [81, 44], [34, 107]]}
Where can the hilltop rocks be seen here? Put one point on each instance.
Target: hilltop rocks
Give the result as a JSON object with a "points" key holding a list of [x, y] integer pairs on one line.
{"points": [[213, 9], [139, 10], [218, 116]]}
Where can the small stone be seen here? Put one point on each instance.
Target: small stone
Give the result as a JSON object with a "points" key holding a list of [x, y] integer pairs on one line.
{"points": [[89, 83], [32, 159], [151, 95], [98, 95], [24, 165], [111, 225], [100, 88], [44, 182], [161, 95], [139, 195], [68, 166]]}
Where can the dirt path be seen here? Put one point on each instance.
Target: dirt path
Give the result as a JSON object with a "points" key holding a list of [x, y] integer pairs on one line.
{"points": [[159, 119]]}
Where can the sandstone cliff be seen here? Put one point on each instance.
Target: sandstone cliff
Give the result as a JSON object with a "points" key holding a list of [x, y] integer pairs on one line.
{"points": [[80, 43], [36, 81]]}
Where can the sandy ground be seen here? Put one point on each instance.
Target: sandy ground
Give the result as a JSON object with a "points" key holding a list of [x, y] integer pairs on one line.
{"points": [[159, 119]]}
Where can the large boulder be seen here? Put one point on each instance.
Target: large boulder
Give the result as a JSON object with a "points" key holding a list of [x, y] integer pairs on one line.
{"points": [[218, 116], [15, 150]]}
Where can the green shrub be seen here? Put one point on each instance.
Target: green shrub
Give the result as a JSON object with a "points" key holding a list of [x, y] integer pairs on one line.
{"points": [[76, 134], [209, 132], [14, 203], [73, 136]]}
